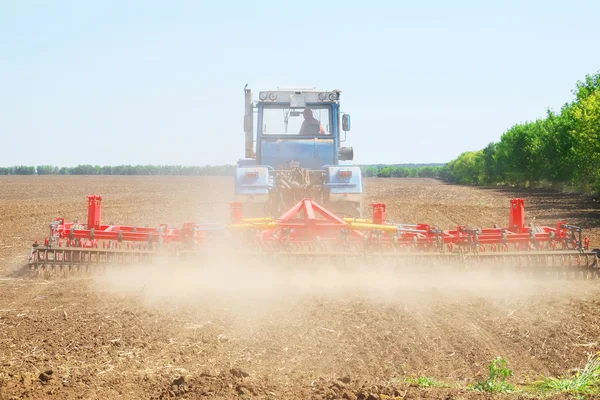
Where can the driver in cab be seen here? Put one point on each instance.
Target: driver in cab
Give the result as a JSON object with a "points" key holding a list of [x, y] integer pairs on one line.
{"points": [[310, 125]]}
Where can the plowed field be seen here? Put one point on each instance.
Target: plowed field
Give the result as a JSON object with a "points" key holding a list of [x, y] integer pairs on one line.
{"points": [[229, 330]]}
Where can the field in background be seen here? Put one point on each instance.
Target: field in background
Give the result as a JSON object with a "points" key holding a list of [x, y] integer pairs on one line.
{"points": [[224, 329]]}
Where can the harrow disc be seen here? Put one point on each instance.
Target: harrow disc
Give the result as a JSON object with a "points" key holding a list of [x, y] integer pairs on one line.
{"points": [[573, 264]]}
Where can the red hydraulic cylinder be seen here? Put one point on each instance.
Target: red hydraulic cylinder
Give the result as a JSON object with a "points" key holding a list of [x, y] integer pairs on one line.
{"points": [[94, 211], [235, 210], [516, 222], [378, 213]]}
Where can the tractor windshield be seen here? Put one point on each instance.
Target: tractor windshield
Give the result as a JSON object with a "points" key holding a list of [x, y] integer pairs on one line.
{"points": [[305, 121]]}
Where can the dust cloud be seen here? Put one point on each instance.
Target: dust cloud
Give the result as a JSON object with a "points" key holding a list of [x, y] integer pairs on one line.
{"points": [[256, 287]]}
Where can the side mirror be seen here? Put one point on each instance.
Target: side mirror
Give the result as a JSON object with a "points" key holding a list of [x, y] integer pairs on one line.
{"points": [[346, 122]]}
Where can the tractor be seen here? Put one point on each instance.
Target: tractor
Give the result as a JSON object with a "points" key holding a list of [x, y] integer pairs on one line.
{"points": [[299, 153]]}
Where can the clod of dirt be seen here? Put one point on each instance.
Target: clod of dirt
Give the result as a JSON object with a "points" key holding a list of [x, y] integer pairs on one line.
{"points": [[366, 396], [345, 379], [45, 376], [349, 396], [25, 381], [179, 381], [222, 338], [241, 390], [238, 373], [338, 385]]}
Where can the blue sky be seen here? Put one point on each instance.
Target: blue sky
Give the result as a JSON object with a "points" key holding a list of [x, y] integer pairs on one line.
{"points": [[137, 82]]}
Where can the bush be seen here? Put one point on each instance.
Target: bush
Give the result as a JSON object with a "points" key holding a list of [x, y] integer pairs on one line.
{"points": [[402, 171]]}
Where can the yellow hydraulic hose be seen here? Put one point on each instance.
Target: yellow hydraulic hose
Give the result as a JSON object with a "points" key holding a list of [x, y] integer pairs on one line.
{"points": [[353, 223], [257, 225], [359, 226], [361, 220], [255, 220]]}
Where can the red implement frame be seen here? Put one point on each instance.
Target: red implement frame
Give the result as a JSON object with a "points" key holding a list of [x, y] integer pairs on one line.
{"points": [[308, 230], [95, 234], [307, 221]]}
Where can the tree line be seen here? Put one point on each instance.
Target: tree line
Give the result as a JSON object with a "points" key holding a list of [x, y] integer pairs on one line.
{"points": [[207, 170], [379, 170], [402, 170], [561, 149]]}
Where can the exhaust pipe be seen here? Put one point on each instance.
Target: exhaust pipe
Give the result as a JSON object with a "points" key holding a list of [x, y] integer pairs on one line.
{"points": [[248, 123]]}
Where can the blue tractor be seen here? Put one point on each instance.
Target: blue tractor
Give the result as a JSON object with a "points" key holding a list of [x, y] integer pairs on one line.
{"points": [[299, 153]]}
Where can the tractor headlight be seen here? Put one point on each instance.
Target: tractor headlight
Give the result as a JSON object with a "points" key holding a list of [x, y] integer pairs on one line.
{"points": [[333, 96], [322, 96], [272, 96], [345, 174], [262, 96]]}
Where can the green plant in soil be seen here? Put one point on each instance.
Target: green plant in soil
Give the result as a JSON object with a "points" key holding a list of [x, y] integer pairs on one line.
{"points": [[423, 381], [496, 381], [585, 381]]}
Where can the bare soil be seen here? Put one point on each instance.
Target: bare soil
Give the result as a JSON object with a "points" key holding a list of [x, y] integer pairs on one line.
{"points": [[229, 330]]}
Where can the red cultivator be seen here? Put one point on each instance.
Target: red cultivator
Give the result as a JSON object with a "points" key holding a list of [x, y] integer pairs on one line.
{"points": [[75, 245], [309, 231], [94, 234]]}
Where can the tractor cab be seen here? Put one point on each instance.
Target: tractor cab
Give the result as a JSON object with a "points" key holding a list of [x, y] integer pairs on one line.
{"points": [[299, 127], [297, 151]]}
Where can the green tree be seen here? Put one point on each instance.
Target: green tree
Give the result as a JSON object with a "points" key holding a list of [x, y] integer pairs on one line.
{"points": [[586, 114], [44, 169], [562, 148], [385, 172]]}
